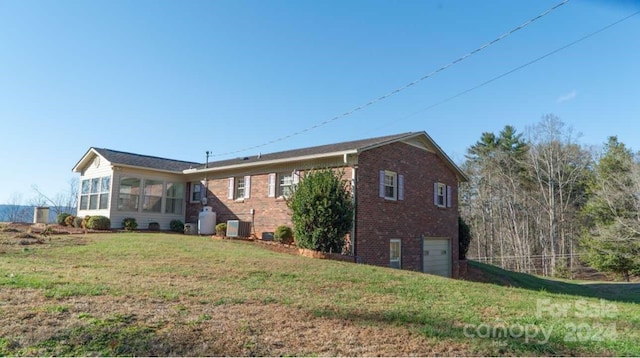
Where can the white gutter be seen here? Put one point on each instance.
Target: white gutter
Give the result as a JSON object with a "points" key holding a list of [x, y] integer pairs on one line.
{"points": [[116, 165], [274, 161]]}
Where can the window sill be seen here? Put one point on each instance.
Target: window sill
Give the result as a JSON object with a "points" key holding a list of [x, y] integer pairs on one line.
{"points": [[239, 200]]}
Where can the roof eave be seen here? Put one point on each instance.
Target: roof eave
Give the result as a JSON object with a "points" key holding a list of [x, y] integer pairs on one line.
{"points": [[462, 177], [81, 162], [114, 165], [271, 162]]}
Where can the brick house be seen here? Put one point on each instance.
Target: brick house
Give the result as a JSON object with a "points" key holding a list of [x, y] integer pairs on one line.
{"points": [[404, 190]]}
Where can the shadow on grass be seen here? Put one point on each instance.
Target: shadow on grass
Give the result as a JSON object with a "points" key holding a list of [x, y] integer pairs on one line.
{"points": [[612, 291], [474, 339]]}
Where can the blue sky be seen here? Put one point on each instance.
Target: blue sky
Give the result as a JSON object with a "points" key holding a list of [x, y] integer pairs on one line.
{"points": [[177, 78]]}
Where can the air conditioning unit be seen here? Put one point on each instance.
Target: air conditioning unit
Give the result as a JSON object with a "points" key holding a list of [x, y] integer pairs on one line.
{"points": [[237, 228]]}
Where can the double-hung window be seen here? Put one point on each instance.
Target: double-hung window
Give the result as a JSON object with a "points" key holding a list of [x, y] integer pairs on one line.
{"points": [[197, 192], [442, 196], [239, 188], [281, 185], [285, 184], [391, 185]]}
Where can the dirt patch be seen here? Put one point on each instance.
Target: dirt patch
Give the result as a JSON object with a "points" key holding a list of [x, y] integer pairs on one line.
{"points": [[188, 328]]}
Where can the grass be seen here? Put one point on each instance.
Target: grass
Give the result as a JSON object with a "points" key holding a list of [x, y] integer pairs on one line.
{"points": [[135, 293]]}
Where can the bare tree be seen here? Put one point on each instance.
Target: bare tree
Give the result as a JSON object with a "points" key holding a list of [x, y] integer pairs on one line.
{"points": [[65, 201], [15, 211], [523, 197], [558, 167]]}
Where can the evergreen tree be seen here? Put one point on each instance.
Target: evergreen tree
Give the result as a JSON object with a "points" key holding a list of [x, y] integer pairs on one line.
{"points": [[612, 239], [322, 211]]}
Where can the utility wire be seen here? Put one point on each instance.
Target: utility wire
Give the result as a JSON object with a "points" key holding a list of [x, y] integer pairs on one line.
{"points": [[519, 67], [400, 89]]}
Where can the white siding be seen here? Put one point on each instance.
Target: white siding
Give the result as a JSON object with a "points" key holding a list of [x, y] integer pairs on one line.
{"points": [[116, 173], [144, 218], [91, 171]]}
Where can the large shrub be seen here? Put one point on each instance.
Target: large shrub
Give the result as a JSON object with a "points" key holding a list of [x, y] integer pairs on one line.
{"points": [[61, 217], [129, 224], [176, 226], [221, 229], [99, 222], [283, 234], [322, 212], [464, 238]]}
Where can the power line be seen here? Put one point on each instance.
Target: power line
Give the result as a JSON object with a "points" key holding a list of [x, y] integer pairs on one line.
{"points": [[519, 67], [400, 89]]}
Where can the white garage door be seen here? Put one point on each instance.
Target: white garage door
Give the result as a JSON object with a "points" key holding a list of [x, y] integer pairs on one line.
{"points": [[437, 256]]}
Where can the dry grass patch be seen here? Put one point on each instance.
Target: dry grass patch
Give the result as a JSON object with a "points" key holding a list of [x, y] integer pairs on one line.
{"points": [[39, 326]]}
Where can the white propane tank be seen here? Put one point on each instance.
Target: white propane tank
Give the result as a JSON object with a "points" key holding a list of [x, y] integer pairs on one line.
{"points": [[206, 221]]}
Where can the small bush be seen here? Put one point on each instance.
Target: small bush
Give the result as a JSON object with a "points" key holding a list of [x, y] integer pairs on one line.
{"points": [[68, 221], [283, 234], [60, 219], [221, 229], [154, 226], [176, 226], [77, 222], [99, 222], [129, 224], [85, 222]]}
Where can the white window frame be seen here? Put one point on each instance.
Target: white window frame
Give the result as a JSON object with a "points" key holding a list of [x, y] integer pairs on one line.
{"points": [[93, 191], [177, 202], [105, 190], [137, 196], [440, 195], [395, 262], [394, 186], [192, 190], [147, 195], [280, 186], [239, 188]]}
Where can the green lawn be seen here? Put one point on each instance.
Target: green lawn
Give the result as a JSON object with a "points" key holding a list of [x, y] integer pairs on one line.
{"points": [[164, 294]]}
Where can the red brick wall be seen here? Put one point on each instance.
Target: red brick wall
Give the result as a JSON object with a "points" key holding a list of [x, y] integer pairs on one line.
{"points": [[269, 212], [379, 220]]}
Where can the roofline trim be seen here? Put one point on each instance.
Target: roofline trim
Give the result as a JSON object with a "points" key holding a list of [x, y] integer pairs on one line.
{"points": [[269, 162], [114, 165], [76, 168]]}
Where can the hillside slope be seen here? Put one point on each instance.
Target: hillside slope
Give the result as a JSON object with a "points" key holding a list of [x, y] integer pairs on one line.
{"points": [[165, 294]]}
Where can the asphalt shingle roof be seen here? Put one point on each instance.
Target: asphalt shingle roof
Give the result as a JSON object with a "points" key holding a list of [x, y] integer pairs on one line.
{"points": [[145, 161], [294, 153]]}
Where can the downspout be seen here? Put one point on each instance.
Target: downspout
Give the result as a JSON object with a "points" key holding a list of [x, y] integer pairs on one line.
{"points": [[354, 202]]}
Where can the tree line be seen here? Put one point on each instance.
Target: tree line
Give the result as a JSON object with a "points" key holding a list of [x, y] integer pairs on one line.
{"points": [[18, 210], [538, 200]]}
